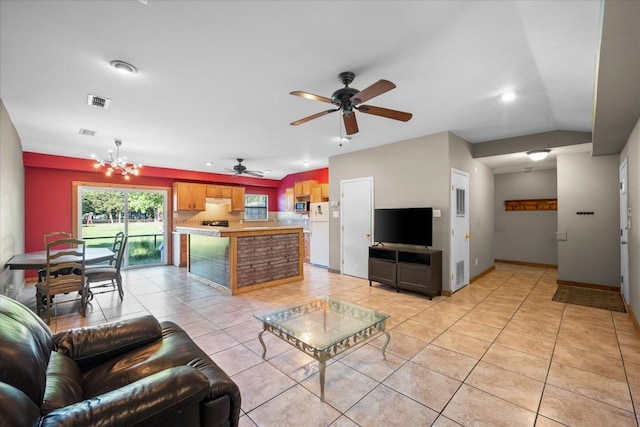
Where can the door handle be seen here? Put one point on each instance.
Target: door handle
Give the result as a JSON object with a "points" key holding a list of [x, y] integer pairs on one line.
{"points": [[623, 243], [367, 234], [467, 236]]}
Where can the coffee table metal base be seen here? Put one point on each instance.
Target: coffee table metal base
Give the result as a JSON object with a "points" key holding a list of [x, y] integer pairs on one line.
{"points": [[322, 356]]}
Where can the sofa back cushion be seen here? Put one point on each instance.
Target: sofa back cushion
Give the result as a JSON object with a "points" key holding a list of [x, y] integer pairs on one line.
{"points": [[25, 345], [64, 385]]}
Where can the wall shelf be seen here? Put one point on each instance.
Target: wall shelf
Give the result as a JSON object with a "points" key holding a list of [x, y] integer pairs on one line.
{"points": [[531, 205]]}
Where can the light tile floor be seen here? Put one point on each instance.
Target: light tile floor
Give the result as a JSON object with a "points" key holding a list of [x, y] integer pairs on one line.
{"points": [[499, 352]]}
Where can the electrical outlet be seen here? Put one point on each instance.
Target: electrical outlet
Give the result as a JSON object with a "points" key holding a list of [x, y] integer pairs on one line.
{"points": [[476, 261], [10, 289]]}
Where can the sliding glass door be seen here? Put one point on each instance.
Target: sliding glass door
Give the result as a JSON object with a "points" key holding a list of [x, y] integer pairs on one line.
{"points": [[104, 211]]}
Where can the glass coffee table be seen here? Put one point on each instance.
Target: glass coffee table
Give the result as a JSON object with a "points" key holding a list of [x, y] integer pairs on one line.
{"points": [[323, 327]]}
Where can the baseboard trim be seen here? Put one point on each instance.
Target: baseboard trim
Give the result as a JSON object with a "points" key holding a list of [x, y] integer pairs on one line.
{"points": [[482, 274], [526, 264], [589, 285]]}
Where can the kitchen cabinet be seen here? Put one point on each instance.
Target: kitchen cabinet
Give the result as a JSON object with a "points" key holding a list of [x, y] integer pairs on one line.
{"points": [[237, 199], [320, 193], [302, 189], [307, 247], [188, 196], [289, 199], [219, 191]]}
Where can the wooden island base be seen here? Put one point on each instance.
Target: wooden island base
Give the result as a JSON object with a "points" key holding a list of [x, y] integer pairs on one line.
{"points": [[240, 260]]}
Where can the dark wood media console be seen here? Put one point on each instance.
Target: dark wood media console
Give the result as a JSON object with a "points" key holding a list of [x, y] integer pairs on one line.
{"points": [[416, 269]]}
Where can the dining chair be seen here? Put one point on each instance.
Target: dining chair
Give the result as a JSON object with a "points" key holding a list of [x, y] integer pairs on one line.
{"points": [[65, 273], [51, 237], [108, 273]]}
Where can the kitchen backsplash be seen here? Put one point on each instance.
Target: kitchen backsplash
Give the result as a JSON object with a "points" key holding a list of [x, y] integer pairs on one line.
{"points": [[220, 212]]}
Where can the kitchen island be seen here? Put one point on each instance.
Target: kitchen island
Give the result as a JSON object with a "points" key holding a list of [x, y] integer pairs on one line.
{"points": [[241, 259]]}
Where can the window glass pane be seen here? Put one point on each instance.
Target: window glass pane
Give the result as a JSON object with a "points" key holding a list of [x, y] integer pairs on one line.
{"points": [[256, 207]]}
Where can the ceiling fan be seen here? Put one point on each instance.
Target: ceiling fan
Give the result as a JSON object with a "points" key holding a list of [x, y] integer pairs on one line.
{"points": [[241, 169], [348, 99]]}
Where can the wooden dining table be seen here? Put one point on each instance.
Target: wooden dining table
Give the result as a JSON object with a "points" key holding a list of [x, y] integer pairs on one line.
{"points": [[38, 260]]}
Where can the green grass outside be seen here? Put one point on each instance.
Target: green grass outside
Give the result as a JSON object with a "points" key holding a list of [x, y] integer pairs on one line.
{"points": [[145, 240]]}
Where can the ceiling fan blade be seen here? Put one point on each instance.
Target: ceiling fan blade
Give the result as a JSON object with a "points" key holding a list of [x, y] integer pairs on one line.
{"points": [[254, 173], [314, 116], [311, 96], [378, 88], [385, 112], [350, 123]]}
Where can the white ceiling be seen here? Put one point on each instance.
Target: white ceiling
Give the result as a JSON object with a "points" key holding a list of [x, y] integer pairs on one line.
{"points": [[214, 76]]}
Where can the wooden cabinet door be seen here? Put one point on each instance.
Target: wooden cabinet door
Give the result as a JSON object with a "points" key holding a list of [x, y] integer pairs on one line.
{"points": [[307, 248], [198, 196], [316, 194], [182, 196], [324, 192], [289, 199], [237, 199], [298, 189]]}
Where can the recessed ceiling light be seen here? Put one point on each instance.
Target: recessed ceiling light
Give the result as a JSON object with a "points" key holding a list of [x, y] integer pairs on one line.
{"points": [[306, 163], [124, 67], [508, 96], [209, 164], [87, 132]]}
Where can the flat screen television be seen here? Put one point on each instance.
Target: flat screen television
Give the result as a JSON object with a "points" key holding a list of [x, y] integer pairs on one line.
{"points": [[409, 226]]}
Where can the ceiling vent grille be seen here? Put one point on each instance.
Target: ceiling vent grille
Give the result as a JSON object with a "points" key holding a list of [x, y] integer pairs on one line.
{"points": [[98, 101], [87, 132]]}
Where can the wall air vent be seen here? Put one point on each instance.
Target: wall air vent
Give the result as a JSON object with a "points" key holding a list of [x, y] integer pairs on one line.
{"points": [[87, 132], [98, 101]]}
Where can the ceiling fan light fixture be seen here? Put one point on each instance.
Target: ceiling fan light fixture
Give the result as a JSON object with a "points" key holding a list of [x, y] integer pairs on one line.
{"points": [[123, 67], [537, 155]]}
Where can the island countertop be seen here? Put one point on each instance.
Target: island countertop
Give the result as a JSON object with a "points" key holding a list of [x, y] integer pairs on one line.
{"points": [[206, 230]]}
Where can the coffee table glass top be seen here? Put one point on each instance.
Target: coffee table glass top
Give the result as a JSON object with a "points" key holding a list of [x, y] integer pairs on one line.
{"points": [[323, 322]]}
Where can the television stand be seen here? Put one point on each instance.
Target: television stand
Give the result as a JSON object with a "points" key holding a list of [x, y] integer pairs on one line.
{"points": [[415, 269]]}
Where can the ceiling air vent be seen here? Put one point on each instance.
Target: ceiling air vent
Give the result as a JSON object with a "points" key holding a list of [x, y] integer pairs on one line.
{"points": [[87, 132], [98, 101]]}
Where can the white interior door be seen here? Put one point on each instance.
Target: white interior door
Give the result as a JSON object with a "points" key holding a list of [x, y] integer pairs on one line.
{"points": [[356, 207], [625, 225], [459, 266]]}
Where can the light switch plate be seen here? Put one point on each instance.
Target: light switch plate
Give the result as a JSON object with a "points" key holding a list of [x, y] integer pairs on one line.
{"points": [[336, 214], [437, 213]]}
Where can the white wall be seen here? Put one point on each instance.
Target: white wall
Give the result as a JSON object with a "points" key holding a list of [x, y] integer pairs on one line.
{"points": [[414, 173], [591, 253], [11, 202], [526, 236], [631, 152]]}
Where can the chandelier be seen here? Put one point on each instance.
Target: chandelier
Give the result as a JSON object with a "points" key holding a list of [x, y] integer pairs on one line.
{"points": [[118, 164]]}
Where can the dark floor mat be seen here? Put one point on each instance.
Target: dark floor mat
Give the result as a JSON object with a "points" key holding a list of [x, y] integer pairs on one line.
{"points": [[606, 300]]}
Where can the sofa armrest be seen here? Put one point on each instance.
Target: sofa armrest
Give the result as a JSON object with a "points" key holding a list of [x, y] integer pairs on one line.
{"points": [[93, 345], [17, 408], [150, 401]]}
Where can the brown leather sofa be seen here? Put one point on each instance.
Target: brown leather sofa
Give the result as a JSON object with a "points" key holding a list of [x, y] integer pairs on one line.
{"points": [[130, 373]]}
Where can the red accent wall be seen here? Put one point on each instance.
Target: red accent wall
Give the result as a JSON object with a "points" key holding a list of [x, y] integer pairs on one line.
{"points": [[320, 175], [48, 189]]}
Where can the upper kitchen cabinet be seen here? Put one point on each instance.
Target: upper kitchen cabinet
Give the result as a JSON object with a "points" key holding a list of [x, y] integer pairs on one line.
{"points": [[237, 199], [302, 189], [189, 197], [219, 191], [320, 193], [289, 199]]}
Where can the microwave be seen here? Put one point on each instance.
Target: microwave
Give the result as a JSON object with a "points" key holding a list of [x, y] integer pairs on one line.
{"points": [[302, 207]]}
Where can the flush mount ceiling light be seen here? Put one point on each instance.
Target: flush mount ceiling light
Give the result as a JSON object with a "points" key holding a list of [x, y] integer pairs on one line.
{"points": [[117, 164], [537, 155], [508, 96], [123, 67]]}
